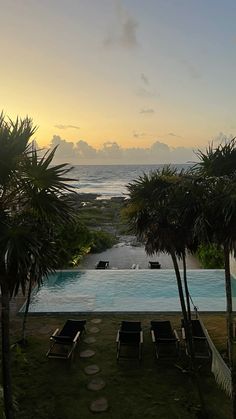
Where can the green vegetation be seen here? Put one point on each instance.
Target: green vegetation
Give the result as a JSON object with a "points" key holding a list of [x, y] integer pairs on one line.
{"points": [[104, 215], [94, 229], [101, 240], [74, 240], [178, 212], [33, 200], [211, 256], [172, 212], [49, 389]]}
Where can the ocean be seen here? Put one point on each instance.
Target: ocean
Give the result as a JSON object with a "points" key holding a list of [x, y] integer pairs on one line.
{"points": [[109, 181]]}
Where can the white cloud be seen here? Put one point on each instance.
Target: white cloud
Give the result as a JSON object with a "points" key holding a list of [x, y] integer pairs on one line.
{"points": [[124, 32], [83, 149], [112, 153], [61, 126], [138, 134], [147, 111]]}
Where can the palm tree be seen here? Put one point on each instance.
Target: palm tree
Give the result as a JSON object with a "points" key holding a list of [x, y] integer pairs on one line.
{"points": [[157, 211], [32, 192], [219, 215], [218, 166], [218, 161]]}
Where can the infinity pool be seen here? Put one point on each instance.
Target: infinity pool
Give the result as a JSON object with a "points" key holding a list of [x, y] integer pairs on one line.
{"points": [[127, 290]]}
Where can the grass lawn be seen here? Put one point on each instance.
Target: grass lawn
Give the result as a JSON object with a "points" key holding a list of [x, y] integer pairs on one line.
{"points": [[50, 389]]}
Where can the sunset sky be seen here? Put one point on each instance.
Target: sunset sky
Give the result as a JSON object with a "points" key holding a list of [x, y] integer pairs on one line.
{"points": [[124, 73]]}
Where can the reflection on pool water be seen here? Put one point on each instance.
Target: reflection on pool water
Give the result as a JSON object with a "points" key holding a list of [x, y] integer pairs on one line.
{"points": [[127, 290]]}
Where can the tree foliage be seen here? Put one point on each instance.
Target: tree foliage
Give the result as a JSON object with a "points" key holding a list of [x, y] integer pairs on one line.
{"points": [[33, 201], [211, 256]]}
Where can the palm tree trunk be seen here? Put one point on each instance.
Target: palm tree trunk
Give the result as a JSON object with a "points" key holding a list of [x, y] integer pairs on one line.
{"points": [[230, 331], [6, 359], [188, 331], [228, 291], [186, 287], [26, 312], [180, 288]]}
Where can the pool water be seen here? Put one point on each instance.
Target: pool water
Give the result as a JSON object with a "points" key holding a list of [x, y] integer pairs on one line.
{"points": [[127, 290]]}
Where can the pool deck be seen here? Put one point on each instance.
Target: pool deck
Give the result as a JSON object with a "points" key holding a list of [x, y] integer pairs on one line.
{"points": [[124, 256]]}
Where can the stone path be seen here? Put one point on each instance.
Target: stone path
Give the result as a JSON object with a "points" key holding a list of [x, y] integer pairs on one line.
{"points": [[96, 321], [92, 369], [88, 353], [90, 339], [99, 405], [97, 383], [93, 329]]}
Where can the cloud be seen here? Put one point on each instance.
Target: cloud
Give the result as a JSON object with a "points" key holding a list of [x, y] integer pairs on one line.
{"points": [[111, 150], [128, 35], [85, 150], [112, 153], [138, 134], [146, 93], [124, 32], [60, 126], [172, 134], [65, 148], [147, 111], [144, 79]]}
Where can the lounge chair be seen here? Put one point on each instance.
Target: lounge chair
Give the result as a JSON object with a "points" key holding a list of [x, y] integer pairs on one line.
{"points": [[129, 340], [65, 341], [154, 265], [102, 264], [165, 339], [200, 344]]}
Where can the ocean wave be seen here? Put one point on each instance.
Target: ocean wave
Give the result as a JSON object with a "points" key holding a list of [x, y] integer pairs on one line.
{"points": [[109, 181]]}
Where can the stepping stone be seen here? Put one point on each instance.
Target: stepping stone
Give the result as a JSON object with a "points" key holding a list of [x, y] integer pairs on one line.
{"points": [[92, 369], [87, 353], [90, 339], [96, 321], [93, 329], [99, 405], [96, 384]]}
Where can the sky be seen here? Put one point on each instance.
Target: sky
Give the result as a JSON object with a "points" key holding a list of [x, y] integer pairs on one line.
{"points": [[120, 81]]}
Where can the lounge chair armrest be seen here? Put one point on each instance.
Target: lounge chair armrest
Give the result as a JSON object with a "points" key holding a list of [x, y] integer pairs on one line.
{"points": [[176, 335], [153, 336], [76, 337], [141, 336], [54, 334]]}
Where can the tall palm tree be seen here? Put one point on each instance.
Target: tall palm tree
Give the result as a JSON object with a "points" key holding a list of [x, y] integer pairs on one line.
{"points": [[218, 166], [156, 214], [32, 193]]}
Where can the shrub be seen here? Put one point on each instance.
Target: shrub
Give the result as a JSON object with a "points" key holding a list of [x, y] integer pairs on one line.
{"points": [[102, 241], [211, 256]]}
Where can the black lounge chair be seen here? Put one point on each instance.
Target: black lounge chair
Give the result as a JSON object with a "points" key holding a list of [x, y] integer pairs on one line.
{"points": [[165, 339], [154, 265], [129, 340], [200, 344], [65, 342], [102, 264]]}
